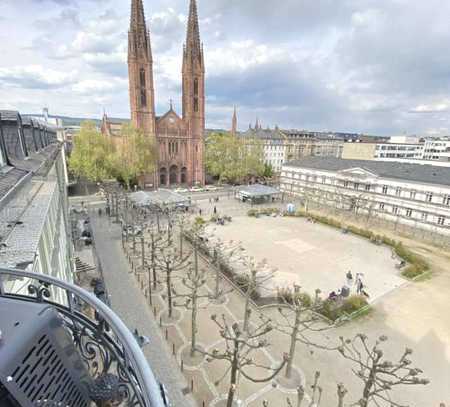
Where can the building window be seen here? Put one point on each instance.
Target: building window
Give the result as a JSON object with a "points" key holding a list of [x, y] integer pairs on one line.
{"points": [[412, 194], [368, 187], [142, 77], [395, 210], [409, 213], [424, 217], [398, 191], [385, 189], [323, 180], [429, 197], [345, 184], [356, 185], [195, 87], [143, 98], [381, 206], [441, 220], [195, 104], [446, 200]]}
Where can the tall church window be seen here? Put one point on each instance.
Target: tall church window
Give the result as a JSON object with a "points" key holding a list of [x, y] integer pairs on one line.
{"points": [[142, 85], [195, 95], [143, 98], [142, 77], [195, 87]]}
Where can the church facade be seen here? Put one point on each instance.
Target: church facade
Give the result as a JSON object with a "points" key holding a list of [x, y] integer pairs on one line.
{"points": [[179, 139]]}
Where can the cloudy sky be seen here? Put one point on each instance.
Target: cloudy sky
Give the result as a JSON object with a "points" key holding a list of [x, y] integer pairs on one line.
{"points": [[372, 66]]}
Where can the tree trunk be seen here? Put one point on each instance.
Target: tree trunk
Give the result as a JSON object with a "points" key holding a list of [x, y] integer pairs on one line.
{"points": [[364, 402], [234, 370], [181, 242], [143, 250], [217, 283], [150, 301], [154, 260], [194, 324], [169, 290], [248, 311], [294, 335]]}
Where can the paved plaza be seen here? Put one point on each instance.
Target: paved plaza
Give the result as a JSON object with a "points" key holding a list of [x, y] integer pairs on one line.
{"points": [[412, 315], [310, 254]]}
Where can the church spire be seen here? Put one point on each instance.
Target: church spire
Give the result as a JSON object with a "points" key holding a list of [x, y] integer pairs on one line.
{"points": [[234, 123], [137, 15], [140, 71], [193, 44], [194, 96]]}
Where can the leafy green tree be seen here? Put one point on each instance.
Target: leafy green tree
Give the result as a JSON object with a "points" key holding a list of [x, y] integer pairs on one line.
{"points": [[135, 155], [92, 154], [232, 158], [268, 171]]}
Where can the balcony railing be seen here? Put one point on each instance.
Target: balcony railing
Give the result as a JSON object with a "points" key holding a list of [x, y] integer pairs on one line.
{"points": [[118, 372]]}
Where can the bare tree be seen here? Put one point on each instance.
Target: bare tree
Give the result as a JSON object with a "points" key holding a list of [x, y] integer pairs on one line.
{"points": [[316, 396], [299, 319], [169, 263], [194, 281], [238, 353], [222, 253], [379, 376], [254, 282], [157, 242]]}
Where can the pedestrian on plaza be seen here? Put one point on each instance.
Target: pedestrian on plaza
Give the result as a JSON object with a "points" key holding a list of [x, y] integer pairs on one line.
{"points": [[215, 211], [359, 286], [349, 276], [100, 212], [200, 212]]}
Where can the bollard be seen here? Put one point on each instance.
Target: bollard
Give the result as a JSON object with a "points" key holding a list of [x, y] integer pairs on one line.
{"points": [[160, 321], [192, 385], [154, 311], [182, 365], [173, 349]]}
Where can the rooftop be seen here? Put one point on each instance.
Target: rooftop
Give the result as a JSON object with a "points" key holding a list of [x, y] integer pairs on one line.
{"points": [[160, 198], [256, 190], [427, 174]]}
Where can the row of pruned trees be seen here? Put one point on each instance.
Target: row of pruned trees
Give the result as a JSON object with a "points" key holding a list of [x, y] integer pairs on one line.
{"points": [[177, 268]]}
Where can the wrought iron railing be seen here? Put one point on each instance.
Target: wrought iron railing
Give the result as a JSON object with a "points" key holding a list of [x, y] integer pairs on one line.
{"points": [[110, 352]]}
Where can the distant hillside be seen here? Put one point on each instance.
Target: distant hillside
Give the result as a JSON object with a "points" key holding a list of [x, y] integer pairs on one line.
{"points": [[73, 121]]}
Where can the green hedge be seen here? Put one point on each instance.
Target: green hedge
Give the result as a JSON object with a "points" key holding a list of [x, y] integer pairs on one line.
{"points": [[334, 310]]}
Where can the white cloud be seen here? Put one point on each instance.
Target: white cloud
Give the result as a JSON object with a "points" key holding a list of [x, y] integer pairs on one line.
{"points": [[36, 77], [92, 86]]}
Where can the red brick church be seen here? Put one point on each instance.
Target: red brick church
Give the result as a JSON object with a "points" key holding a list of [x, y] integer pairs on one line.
{"points": [[180, 140]]}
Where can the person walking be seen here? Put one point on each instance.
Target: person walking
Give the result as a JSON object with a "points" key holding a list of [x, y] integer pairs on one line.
{"points": [[215, 211], [359, 286], [349, 276]]}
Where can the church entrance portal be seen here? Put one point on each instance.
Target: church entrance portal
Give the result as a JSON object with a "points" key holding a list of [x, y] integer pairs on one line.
{"points": [[173, 175], [162, 177], [184, 175]]}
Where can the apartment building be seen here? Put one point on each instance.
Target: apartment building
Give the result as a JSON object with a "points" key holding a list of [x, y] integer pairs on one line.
{"points": [[34, 226], [411, 194]]}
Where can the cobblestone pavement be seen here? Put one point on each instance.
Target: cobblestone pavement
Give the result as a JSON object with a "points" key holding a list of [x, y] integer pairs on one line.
{"points": [[129, 304]]}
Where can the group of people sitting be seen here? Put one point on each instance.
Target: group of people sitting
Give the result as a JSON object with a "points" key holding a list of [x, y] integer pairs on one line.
{"points": [[344, 292]]}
